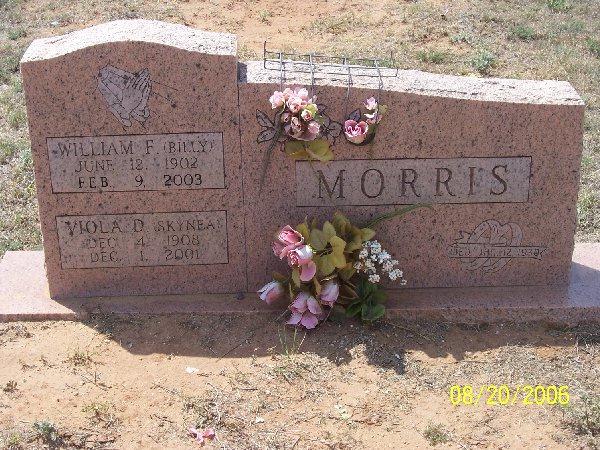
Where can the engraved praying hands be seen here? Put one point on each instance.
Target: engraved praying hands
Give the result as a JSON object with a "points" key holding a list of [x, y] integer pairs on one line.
{"points": [[126, 93]]}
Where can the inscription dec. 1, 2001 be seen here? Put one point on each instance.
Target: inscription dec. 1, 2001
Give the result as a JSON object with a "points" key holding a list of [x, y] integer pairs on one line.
{"points": [[142, 240], [141, 162], [362, 182]]}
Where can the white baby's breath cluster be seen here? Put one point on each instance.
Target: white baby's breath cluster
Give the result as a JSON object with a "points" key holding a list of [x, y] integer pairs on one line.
{"points": [[373, 257]]}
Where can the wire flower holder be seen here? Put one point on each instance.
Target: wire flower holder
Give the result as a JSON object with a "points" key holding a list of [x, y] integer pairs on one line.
{"points": [[319, 66]]}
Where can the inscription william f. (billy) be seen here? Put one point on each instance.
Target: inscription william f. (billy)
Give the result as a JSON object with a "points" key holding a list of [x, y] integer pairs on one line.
{"points": [[408, 181], [142, 162]]}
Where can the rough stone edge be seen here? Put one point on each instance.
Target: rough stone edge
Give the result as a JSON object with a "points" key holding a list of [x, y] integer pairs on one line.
{"points": [[508, 90], [136, 30]]}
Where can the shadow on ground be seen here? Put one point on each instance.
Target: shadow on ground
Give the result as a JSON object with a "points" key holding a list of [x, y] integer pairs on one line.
{"points": [[385, 344]]}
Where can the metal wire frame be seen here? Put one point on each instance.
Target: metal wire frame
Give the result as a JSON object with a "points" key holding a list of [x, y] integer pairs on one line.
{"points": [[327, 65]]}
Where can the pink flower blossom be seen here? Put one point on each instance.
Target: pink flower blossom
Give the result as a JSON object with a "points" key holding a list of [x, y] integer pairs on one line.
{"points": [[287, 93], [306, 311], [202, 435], [371, 104], [313, 128], [306, 115], [329, 293], [287, 239], [356, 132], [302, 93], [277, 100], [302, 257], [374, 118], [295, 103], [286, 117], [271, 292]]}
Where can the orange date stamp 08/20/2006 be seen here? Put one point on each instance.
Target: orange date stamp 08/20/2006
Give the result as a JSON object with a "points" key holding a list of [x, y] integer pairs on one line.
{"points": [[503, 395]]}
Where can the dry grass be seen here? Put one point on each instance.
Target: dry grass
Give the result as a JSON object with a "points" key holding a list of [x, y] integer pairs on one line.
{"points": [[553, 39]]}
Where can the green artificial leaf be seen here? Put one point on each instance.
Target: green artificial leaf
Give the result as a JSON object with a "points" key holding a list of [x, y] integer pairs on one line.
{"points": [[367, 234], [347, 271], [319, 150], [296, 277], [328, 230], [279, 277], [378, 296], [396, 213], [354, 244], [325, 264], [317, 285], [373, 313], [353, 309], [347, 292], [337, 314], [318, 241], [340, 223], [296, 150], [303, 230]]}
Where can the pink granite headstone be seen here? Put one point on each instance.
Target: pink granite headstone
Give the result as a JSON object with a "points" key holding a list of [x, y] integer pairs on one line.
{"points": [[148, 171], [497, 159], [134, 131]]}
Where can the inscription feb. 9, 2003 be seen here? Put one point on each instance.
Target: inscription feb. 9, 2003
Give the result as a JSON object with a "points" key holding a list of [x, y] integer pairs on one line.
{"points": [[142, 162], [407, 181]]}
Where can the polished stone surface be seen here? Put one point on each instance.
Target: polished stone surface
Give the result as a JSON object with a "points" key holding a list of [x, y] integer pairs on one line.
{"points": [[577, 302]]}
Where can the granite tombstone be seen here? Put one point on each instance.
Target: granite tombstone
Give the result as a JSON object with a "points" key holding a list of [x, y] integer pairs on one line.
{"points": [[134, 132]]}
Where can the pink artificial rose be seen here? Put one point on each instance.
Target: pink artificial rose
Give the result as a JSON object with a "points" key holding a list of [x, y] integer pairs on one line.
{"points": [[374, 118], [287, 93], [356, 132], [306, 311], [302, 257], [306, 115], [296, 103], [271, 292], [302, 93], [287, 239], [286, 117], [313, 129], [371, 104], [277, 100], [329, 293]]}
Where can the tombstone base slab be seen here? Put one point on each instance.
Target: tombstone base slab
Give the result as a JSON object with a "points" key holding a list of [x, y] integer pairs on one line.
{"points": [[24, 296]]}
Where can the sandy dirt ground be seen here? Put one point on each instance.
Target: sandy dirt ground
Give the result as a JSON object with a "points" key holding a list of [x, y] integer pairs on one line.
{"points": [[142, 382]]}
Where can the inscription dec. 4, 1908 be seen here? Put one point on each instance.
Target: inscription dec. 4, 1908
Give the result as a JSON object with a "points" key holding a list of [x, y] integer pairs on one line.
{"points": [[132, 240], [142, 162], [420, 180]]}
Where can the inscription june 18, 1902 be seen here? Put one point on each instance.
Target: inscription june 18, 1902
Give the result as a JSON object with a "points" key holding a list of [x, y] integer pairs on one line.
{"points": [[154, 239], [406, 181], [148, 162]]}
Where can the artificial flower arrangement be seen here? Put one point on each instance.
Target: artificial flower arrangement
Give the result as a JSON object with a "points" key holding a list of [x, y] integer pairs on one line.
{"points": [[360, 127], [300, 125], [334, 267]]}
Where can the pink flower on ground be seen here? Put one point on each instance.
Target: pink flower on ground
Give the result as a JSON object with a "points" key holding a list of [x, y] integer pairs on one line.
{"points": [[277, 100], [371, 104], [302, 257], [329, 293], [271, 292], [202, 435], [306, 311], [356, 132], [287, 239]]}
